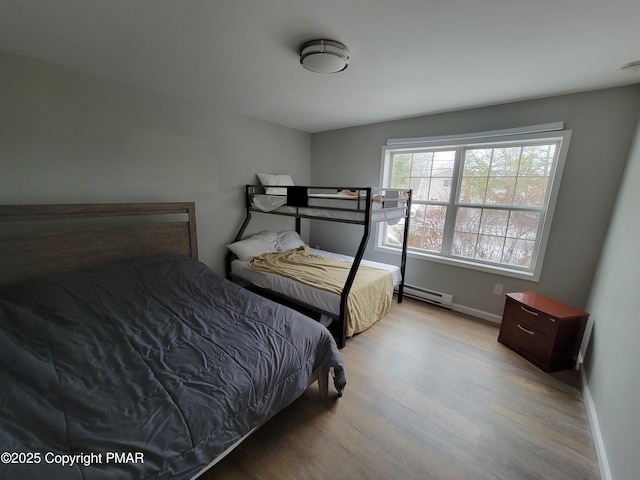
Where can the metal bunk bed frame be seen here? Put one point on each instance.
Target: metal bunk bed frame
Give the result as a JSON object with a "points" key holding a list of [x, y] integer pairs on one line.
{"points": [[298, 197]]}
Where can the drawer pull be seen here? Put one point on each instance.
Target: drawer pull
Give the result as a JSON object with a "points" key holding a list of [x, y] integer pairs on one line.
{"points": [[525, 330], [530, 312]]}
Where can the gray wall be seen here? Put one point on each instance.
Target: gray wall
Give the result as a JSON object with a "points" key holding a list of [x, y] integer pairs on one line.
{"points": [[611, 363], [603, 124], [69, 137]]}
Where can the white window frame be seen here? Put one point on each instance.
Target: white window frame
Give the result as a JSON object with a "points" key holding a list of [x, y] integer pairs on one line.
{"points": [[548, 132]]}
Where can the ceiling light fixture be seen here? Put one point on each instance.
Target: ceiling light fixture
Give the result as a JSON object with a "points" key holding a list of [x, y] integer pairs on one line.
{"points": [[324, 56]]}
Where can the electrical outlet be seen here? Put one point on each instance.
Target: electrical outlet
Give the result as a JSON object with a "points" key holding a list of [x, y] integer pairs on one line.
{"points": [[497, 289]]}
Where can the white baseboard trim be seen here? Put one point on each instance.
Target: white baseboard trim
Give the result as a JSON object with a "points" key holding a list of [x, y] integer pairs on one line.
{"points": [[603, 461], [490, 317]]}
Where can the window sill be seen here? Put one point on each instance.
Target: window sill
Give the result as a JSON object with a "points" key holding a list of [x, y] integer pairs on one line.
{"points": [[458, 262]]}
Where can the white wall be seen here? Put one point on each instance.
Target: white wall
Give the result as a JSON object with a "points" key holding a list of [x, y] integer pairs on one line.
{"points": [[69, 137], [611, 363], [603, 124]]}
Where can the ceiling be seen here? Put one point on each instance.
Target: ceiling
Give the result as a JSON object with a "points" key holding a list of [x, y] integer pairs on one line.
{"points": [[408, 57]]}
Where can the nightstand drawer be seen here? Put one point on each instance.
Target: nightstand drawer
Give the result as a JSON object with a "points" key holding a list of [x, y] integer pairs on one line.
{"points": [[535, 319], [525, 340]]}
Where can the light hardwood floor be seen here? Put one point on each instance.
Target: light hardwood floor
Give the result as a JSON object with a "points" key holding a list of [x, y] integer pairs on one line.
{"points": [[430, 394]]}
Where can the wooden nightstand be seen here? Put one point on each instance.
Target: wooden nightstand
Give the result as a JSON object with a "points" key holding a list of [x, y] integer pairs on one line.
{"points": [[546, 332]]}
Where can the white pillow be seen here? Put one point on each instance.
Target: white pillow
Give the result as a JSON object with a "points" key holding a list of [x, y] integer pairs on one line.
{"points": [[288, 241], [269, 180], [255, 245]]}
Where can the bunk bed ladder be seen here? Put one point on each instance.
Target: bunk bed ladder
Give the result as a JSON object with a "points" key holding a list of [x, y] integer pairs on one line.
{"points": [[352, 273]]}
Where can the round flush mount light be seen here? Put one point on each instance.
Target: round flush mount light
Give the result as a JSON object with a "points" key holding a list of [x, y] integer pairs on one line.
{"points": [[324, 56]]}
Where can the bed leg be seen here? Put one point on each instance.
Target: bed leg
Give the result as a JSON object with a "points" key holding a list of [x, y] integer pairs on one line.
{"points": [[323, 382]]}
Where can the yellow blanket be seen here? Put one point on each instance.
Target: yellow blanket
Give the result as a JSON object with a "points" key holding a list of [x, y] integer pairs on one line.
{"points": [[370, 295]]}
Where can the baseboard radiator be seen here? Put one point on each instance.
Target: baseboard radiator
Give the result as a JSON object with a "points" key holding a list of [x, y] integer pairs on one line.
{"points": [[431, 296]]}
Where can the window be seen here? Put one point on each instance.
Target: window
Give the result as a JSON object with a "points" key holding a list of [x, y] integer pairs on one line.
{"points": [[480, 201]]}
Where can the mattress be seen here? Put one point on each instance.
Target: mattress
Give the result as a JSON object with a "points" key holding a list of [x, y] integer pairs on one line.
{"points": [[335, 207], [322, 299]]}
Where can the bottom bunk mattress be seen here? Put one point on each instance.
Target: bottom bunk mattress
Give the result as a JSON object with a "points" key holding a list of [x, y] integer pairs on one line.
{"points": [[159, 361], [320, 298]]}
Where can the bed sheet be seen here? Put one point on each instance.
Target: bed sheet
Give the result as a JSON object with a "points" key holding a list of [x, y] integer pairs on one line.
{"points": [[325, 300]]}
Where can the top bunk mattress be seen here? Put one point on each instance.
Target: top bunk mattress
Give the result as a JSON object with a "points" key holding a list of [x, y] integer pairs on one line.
{"points": [[350, 206]]}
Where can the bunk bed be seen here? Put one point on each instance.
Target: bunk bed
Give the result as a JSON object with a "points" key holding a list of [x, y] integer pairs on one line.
{"points": [[114, 338], [363, 206]]}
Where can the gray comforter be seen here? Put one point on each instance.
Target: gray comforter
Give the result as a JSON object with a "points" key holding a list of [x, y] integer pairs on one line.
{"points": [[144, 370]]}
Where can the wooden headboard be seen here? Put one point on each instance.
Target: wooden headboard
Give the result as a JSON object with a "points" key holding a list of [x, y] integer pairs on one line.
{"points": [[37, 240]]}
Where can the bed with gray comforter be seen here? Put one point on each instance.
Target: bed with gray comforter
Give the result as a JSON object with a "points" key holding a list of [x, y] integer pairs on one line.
{"points": [[146, 370]]}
